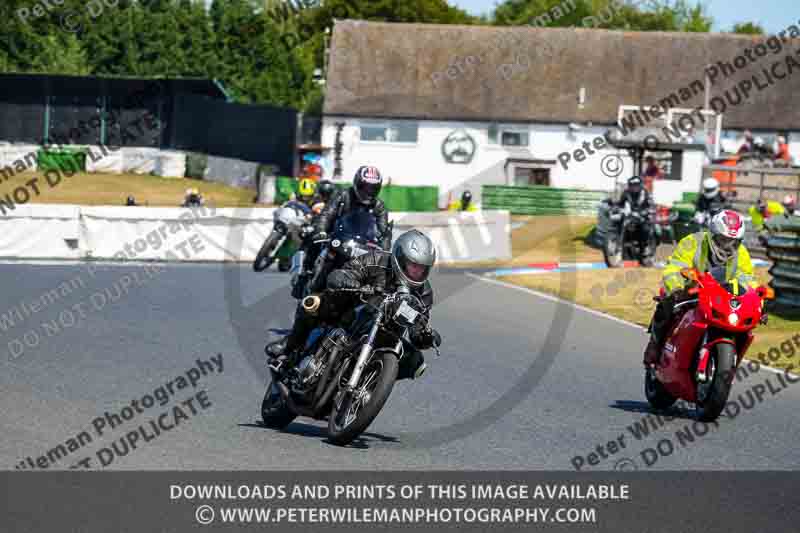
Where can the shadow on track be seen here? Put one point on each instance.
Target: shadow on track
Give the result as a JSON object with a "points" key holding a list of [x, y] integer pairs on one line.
{"points": [[632, 406], [302, 429]]}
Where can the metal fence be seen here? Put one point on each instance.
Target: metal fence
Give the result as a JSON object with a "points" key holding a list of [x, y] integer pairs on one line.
{"points": [[189, 114]]}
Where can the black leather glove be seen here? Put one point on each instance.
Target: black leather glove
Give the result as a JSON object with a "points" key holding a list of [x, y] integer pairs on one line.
{"points": [[426, 337], [319, 236], [340, 280]]}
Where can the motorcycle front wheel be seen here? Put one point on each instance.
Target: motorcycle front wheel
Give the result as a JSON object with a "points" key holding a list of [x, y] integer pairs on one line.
{"points": [[613, 252], [353, 412], [266, 255], [712, 395]]}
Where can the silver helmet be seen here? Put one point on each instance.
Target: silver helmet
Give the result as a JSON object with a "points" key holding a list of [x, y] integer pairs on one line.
{"points": [[413, 257]]}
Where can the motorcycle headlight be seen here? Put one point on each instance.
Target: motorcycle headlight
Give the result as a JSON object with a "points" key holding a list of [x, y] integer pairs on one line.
{"points": [[733, 319]]}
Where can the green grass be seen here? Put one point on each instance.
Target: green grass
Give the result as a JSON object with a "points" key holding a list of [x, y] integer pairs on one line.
{"points": [[113, 189]]}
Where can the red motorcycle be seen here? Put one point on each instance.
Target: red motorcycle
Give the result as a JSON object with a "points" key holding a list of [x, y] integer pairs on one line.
{"points": [[712, 332]]}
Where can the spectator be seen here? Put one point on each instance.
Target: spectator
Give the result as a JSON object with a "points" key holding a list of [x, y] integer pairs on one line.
{"points": [[782, 153], [790, 205], [747, 147], [464, 204], [193, 198], [651, 173]]}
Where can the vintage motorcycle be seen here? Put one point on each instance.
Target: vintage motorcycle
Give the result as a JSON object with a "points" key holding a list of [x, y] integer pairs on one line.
{"points": [[346, 375], [353, 236], [711, 334], [623, 238], [291, 225]]}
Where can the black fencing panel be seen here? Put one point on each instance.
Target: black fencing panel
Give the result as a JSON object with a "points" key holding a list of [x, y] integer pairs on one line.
{"points": [[22, 109], [75, 107], [257, 133], [136, 112]]}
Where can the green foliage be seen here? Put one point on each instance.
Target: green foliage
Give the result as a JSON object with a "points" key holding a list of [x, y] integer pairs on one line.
{"points": [[264, 51], [748, 28]]}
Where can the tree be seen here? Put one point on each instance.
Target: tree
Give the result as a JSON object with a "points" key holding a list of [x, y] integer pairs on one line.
{"points": [[748, 28]]}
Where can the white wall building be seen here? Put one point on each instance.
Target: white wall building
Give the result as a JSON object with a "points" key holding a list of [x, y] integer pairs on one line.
{"points": [[465, 106]]}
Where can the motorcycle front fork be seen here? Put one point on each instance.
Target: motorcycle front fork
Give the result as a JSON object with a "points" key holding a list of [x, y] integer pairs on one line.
{"points": [[366, 351]]}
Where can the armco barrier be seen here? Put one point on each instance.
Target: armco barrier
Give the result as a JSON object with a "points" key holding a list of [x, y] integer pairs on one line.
{"points": [[540, 200], [783, 248], [212, 234]]}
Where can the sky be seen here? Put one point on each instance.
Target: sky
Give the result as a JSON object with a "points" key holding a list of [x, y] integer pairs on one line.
{"points": [[773, 15]]}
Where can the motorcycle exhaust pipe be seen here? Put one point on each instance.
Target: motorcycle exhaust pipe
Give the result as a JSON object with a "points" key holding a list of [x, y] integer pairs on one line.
{"points": [[311, 304]]}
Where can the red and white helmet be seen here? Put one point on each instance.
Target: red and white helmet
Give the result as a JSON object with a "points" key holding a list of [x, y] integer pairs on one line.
{"points": [[727, 232], [789, 202]]}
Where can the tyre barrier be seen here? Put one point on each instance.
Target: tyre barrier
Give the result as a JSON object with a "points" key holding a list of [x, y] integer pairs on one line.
{"points": [[783, 248]]}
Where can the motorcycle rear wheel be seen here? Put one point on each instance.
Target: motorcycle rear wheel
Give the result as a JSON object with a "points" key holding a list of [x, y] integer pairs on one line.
{"points": [[655, 392], [369, 397], [712, 397], [274, 412]]}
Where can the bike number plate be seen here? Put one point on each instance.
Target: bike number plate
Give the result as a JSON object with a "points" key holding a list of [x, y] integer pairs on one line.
{"points": [[408, 314]]}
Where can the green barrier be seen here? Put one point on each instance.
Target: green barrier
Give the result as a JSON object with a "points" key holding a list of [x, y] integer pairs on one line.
{"points": [[64, 160], [196, 164], [541, 200]]}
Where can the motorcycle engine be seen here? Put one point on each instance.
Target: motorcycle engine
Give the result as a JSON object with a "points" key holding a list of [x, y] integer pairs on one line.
{"points": [[307, 371]]}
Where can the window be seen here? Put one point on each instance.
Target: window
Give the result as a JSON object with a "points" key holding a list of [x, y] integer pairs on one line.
{"points": [[508, 136], [393, 132], [670, 164], [531, 176]]}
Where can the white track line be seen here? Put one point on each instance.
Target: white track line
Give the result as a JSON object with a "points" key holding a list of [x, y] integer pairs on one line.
{"points": [[596, 313]]}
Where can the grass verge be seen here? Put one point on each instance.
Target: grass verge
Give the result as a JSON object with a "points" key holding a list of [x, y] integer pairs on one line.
{"points": [[113, 189], [628, 294]]}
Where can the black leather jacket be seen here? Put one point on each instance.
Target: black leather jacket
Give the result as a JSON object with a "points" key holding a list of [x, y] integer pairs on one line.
{"points": [[374, 269], [641, 202], [345, 202], [718, 203]]}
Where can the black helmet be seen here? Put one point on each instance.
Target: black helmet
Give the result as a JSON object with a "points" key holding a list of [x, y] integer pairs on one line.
{"points": [[635, 185], [367, 184], [130, 201], [466, 197], [325, 189], [413, 257]]}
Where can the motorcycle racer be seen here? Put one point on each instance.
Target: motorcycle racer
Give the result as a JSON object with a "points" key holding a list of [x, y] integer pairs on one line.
{"points": [[410, 263], [363, 195], [720, 245]]}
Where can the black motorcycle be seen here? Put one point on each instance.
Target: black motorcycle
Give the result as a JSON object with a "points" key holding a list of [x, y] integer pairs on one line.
{"points": [[630, 236], [354, 235], [347, 375]]}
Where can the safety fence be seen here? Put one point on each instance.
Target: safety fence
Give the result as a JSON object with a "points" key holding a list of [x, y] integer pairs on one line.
{"points": [[209, 234], [783, 248], [541, 200]]}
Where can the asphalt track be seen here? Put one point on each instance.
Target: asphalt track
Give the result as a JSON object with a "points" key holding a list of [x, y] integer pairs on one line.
{"points": [[524, 382]]}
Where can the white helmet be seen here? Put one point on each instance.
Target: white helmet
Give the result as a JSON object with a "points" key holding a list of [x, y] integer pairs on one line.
{"points": [[727, 231], [710, 188], [759, 141]]}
